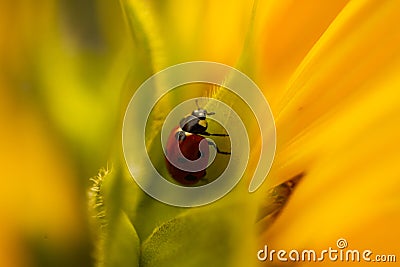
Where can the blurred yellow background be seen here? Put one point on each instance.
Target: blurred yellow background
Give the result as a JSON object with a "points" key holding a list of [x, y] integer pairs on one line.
{"points": [[61, 74]]}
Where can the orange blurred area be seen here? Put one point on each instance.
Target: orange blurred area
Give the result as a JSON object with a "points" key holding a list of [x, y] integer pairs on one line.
{"points": [[40, 201]]}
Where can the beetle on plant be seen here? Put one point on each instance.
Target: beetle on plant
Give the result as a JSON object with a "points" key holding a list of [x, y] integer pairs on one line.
{"points": [[187, 150]]}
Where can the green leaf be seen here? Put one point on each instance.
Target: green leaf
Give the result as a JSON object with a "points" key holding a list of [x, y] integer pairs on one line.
{"points": [[145, 34], [121, 245], [215, 235], [117, 243], [145, 212]]}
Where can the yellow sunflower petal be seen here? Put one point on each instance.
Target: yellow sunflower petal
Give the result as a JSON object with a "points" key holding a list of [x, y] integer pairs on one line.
{"points": [[358, 51], [360, 46], [285, 33], [353, 159], [338, 125]]}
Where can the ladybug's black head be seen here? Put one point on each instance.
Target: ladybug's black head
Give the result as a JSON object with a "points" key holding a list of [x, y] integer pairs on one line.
{"points": [[196, 122], [201, 114]]}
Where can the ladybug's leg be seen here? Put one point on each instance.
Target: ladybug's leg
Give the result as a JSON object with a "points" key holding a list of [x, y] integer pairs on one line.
{"points": [[180, 136], [216, 147], [211, 134]]}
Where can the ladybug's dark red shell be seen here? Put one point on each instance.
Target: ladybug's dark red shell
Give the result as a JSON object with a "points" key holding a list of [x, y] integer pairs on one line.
{"points": [[189, 147]]}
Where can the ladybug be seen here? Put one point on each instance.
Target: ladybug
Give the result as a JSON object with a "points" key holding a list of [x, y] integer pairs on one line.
{"points": [[187, 150]]}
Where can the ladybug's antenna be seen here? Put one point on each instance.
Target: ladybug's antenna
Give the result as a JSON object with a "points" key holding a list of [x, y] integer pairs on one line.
{"points": [[198, 108]]}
